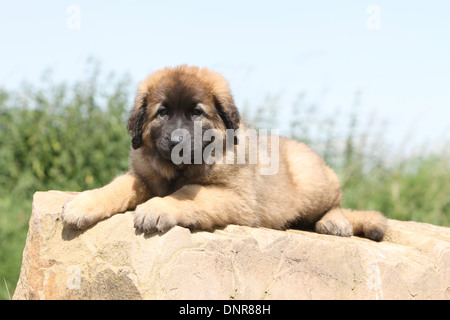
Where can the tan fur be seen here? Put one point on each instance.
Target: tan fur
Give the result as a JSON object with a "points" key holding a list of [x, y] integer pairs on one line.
{"points": [[304, 191]]}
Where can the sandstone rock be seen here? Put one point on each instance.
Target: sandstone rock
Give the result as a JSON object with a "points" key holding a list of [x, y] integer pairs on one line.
{"points": [[111, 261]]}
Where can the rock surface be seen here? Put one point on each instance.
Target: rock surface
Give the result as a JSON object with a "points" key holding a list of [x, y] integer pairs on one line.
{"points": [[111, 261]]}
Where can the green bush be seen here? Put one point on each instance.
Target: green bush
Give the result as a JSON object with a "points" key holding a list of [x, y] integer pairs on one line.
{"points": [[73, 137], [56, 136]]}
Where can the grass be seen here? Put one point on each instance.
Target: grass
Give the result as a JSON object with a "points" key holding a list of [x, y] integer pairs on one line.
{"points": [[73, 137], [7, 290]]}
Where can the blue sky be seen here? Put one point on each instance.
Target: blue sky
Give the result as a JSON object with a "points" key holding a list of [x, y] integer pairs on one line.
{"points": [[323, 48]]}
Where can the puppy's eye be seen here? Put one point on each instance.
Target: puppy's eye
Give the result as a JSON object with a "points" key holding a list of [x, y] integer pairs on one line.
{"points": [[163, 111], [197, 112]]}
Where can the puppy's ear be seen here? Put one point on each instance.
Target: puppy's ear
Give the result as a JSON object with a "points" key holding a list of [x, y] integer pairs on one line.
{"points": [[228, 112], [136, 121]]}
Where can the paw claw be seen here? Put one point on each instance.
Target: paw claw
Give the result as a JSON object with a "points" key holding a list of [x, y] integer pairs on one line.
{"points": [[81, 212], [151, 217]]}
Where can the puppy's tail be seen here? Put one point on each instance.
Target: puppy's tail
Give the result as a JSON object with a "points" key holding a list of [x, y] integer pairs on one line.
{"points": [[370, 224]]}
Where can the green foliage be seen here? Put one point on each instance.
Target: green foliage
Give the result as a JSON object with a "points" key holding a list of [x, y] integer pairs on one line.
{"points": [[73, 137], [61, 137], [56, 136]]}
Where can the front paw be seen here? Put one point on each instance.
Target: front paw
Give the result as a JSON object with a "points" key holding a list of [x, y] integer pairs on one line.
{"points": [[155, 215], [81, 211]]}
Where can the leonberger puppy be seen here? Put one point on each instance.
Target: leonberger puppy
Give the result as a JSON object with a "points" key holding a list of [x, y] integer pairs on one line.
{"points": [[245, 179]]}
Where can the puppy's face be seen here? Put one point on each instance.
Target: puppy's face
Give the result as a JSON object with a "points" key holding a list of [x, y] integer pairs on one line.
{"points": [[174, 103]]}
